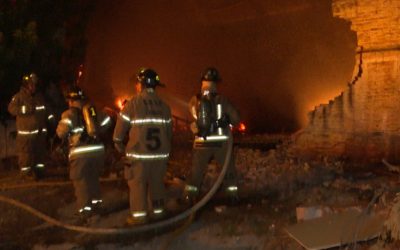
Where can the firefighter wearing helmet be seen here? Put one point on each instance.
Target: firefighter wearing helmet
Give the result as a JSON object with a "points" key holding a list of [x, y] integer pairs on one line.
{"points": [[81, 124], [148, 120], [213, 114], [28, 105]]}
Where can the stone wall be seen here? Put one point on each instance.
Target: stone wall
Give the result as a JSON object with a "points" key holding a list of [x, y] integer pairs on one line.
{"points": [[363, 122]]}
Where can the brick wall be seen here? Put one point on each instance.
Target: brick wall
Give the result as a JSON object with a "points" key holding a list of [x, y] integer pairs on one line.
{"points": [[376, 21], [363, 122]]}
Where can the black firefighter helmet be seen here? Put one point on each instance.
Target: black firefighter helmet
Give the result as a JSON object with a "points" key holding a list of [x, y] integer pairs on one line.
{"points": [[30, 78], [148, 78], [210, 74], [74, 93]]}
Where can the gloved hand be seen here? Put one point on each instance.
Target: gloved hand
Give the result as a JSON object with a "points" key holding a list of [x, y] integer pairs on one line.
{"points": [[194, 128], [223, 122], [119, 147]]}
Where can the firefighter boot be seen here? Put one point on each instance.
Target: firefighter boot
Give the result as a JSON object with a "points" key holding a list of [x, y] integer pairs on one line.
{"points": [[98, 207], [38, 172], [82, 217], [159, 212], [137, 218], [231, 193], [190, 195]]}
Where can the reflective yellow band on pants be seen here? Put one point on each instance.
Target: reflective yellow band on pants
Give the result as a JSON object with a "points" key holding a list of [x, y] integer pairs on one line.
{"points": [[147, 156], [158, 211], [40, 165], [86, 149], [85, 209], [139, 214], [191, 188], [25, 169], [232, 188]]}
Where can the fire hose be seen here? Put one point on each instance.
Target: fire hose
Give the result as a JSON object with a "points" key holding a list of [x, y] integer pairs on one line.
{"points": [[136, 229], [48, 184]]}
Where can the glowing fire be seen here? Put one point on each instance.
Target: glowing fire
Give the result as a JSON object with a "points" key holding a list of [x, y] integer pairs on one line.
{"points": [[242, 127], [120, 102], [80, 72]]}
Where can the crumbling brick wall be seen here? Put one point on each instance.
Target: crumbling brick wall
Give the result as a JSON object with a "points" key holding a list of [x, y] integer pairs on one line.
{"points": [[363, 122]]}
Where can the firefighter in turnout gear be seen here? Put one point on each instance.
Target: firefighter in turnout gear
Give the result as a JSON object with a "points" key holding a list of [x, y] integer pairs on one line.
{"points": [[148, 120], [28, 105], [213, 114], [80, 124]]}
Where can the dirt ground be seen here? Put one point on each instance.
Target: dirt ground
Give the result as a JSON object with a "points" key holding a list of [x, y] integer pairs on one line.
{"points": [[272, 184]]}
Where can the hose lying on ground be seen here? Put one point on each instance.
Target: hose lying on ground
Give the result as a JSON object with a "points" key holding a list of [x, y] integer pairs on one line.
{"points": [[136, 229], [47, 183]]}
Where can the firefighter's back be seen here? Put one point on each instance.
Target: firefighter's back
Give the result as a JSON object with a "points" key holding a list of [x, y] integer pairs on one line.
{"points": [[150, 133]]}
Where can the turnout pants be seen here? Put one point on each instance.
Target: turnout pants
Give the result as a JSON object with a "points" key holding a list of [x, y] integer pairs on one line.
{"points": [[202, 157], [84, 173], [146, 183], [31, 153]]}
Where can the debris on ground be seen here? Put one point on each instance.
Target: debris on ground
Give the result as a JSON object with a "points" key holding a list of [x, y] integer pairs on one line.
{"points": [[220, 209], [308, 213], [392, 223], [336, 230], [276, 190]]}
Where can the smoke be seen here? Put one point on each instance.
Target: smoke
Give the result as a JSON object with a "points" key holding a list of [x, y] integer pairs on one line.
{"points": [[277, 59]]}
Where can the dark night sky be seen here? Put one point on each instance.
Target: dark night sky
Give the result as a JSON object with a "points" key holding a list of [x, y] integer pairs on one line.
{"points": [[278, 59]]}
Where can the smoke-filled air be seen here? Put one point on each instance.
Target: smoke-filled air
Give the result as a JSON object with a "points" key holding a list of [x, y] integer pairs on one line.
{"points": [[277, 59]]}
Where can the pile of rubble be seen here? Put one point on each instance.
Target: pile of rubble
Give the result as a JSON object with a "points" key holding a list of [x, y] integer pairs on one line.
{"points": [[278, 171], [392, 223]]}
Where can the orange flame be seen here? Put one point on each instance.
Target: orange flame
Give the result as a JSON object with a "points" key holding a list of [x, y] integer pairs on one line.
{"points": [[120, 103], [242, 127], [80, 72]]}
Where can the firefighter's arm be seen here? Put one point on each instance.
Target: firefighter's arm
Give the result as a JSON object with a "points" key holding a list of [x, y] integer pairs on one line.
{"points": [[193, 112], [192, 107], [16, 107], [51, 119], [50, 113], [194, 128], [64, 126], [104, 121], [121, 127], [231, 113]]}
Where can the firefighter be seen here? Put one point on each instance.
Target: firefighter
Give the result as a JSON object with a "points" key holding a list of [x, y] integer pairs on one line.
{"points": [[28, 105], [81, 124], [148, 120], [213, 114]]}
